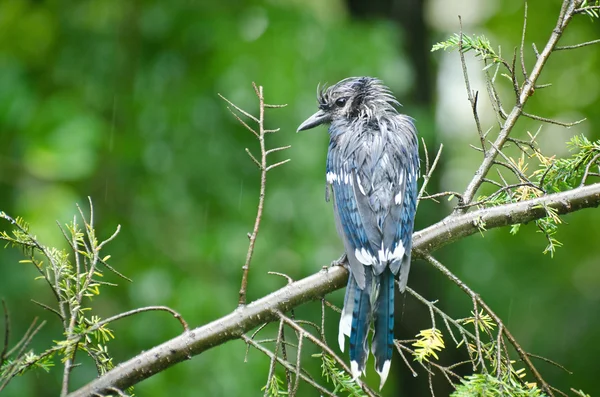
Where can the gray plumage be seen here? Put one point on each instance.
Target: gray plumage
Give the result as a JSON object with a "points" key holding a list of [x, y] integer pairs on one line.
{"points": [[372, 168]]}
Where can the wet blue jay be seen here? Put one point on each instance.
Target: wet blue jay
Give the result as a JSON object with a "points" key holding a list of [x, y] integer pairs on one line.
{"points": [[372, 168]]}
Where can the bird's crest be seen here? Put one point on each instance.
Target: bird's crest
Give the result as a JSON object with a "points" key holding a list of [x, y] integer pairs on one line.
{"points": [[366, 96]]}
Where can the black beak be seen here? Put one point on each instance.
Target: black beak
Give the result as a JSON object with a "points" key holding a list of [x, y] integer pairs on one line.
{"points": [[316, 119]]}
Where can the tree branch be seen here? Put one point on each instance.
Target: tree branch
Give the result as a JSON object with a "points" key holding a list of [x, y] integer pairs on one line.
{"points": [[523, 94], [243, 319]]}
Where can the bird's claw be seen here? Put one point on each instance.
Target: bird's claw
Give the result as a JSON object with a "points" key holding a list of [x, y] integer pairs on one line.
{"points": [[341, 261]]}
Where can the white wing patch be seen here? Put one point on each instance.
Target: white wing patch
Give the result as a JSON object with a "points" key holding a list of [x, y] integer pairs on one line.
{"points": [[360, 187], [331, 177], [386, 255], [398, 198], [364, 257], [343, 177]]}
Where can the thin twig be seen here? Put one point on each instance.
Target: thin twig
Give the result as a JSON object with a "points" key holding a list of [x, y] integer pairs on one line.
{"points": [[476, 298], [443, 194], [552, 121], [21, 346], [587, 169], [571, 47], [478, 336], [472, 98], [288, 366], [261, 196], [550, 362], [298, 357], [119, 316], [429, 170], [522, 55], [325, 348], [242, 111], [586, 9], [6, 333], [271, 374], [269, 168], [46, 307], [263, 167]]}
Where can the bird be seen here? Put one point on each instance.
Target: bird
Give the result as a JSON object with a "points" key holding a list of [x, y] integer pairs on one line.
{"points": [[372, 169]]}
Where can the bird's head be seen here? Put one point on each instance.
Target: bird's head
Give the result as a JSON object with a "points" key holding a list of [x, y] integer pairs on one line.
{"points": [[351, 99]]}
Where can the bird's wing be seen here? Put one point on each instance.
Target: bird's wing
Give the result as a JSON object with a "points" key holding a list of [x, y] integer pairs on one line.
{"points": [[353, 216], [350, 225], [399, 220]]}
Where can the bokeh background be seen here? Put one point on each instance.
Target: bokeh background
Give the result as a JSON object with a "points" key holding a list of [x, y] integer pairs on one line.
{"points": [[117, 100]]}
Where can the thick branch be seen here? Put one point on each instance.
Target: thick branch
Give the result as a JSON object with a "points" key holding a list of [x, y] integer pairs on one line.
{"points": [[243, 319], [455, 227]]}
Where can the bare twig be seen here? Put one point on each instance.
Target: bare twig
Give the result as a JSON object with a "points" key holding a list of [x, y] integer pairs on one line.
{"points": [[552, 121], [263, 167], [13, 368], [325, 348], [550, 362], [587, 169], [443, 194], [429, 170], [521, 48], [6, 333], [46, 307], [472, 96], [119, 316], [242, 111], [287, 365], [571, 47], [270, 376]]}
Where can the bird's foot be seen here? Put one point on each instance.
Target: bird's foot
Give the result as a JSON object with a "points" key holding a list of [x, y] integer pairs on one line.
{"points": [[341, 261]]}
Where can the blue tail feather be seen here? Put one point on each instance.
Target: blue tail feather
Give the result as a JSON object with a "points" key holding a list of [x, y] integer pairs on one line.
{"points": [[361, 319], [383, 338], [346, 317]]}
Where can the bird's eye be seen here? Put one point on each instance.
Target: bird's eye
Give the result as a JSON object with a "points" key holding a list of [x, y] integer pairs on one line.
{"points": [[340, 102]]}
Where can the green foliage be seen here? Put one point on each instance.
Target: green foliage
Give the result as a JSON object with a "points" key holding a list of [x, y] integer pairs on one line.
{"points": [[486, 385], [552, 175], [478, 44], [559, 175], [580, 393], [342, 381], [275, 387], [74, 279], [588, 7]]}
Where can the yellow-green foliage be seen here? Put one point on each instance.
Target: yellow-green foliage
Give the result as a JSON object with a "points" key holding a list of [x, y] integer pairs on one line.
{"points": [[429, 341]]}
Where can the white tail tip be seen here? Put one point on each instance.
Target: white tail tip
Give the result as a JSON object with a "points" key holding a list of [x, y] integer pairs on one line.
{"points": [[354, 369], [345, 327], [384, 373], [341, 340]]}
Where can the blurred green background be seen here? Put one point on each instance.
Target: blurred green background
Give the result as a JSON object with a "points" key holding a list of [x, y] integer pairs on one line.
{"points": [[117, 100]]}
